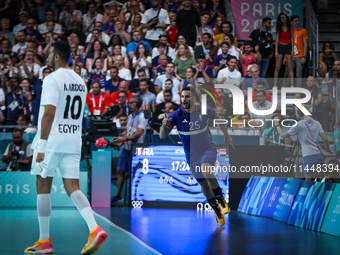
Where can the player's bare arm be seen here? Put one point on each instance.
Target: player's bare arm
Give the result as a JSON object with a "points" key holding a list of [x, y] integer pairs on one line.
{"points": [[165, 129], [46, 124], [227, 139]]}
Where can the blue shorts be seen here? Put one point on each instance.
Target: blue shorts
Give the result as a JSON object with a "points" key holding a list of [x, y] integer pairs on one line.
{"points": [[208, 157], [309, 161], [124, 160]]}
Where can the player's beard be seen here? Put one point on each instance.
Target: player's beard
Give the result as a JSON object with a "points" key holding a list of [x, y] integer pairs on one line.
{"points": [[187, 105], [52, 63]]}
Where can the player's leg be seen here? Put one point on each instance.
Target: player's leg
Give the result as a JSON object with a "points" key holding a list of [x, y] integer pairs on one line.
{"points": [[122, 167], [213, 183], [44, 172], [69, 170]]}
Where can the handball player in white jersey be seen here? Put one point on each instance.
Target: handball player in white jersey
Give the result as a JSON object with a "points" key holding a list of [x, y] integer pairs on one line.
{"points": [[57, 146]]}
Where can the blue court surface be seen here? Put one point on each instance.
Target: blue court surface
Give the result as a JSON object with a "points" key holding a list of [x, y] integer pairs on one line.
{"points": [[163, 231]]}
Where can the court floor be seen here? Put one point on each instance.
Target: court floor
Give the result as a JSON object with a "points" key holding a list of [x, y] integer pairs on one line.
{"points": [[163, 231]]}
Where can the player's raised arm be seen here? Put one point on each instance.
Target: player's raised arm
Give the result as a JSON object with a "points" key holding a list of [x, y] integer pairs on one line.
{"points": [[165, 128]]}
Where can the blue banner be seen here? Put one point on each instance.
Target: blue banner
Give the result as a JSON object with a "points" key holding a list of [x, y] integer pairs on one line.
{"points": [[331, 222]]}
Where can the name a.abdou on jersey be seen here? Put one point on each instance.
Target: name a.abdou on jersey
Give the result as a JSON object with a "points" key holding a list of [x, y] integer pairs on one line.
{"points": [[75, 87]]}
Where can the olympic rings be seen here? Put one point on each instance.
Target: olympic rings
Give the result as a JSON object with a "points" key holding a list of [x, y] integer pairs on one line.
{"points": [[201, 206], [137, 204]]}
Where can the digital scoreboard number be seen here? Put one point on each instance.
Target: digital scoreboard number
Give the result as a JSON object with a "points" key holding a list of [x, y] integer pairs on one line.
{"points": [[160, 175]]}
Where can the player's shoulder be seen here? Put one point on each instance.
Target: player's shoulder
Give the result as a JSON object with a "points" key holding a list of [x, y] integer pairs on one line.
{"points": [[176, 113]]}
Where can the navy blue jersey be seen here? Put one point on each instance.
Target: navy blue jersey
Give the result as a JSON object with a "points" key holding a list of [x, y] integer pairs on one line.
{"points": [[194, 131]]}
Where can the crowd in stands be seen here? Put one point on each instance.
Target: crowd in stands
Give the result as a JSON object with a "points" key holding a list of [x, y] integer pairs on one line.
{"points": [[153, 48]]}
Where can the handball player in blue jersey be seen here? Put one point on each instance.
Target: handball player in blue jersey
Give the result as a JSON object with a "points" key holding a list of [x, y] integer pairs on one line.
{"points": [[200, 149]]}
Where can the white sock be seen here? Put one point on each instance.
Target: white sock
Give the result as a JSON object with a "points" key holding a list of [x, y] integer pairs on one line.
{"points": [[84, 208], [44, 213]]}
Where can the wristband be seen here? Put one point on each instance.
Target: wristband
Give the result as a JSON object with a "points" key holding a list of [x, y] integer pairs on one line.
{"points": [[277, 125], [126, 139], [41, 145]]}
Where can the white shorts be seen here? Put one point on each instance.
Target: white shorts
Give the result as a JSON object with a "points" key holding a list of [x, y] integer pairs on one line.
{"points": [[65, 163]]}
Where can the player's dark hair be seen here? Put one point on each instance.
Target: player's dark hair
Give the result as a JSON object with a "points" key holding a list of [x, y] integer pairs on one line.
{"points": [[264, 20], [63, 49], [192, 91]]}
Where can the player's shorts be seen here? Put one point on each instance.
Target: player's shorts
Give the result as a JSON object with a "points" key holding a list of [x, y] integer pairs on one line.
{"points": [[310, 161], [124, 160], [208, 157], [65, 163]]}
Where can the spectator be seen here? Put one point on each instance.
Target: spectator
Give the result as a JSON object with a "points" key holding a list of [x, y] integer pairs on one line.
{"points": [[123, 104], [75, 51], [174, 6], [112, 85], [132, 46], [37, 88], [264, 40], [249, 57], [300, 48], [125, 37], [183, 60], [18, 153], [181, 40], [233, 51], [221, 61], [172, 33], [5, 33], [27, 65], [227, 29], [174, 97], [169, 74], [21, 43], [196, 4], [69, 14], [123, 86], [218, 25], [97, 72], [207, 49], [96, 51], [134, 9], [149, 99], [205, 18], [326, 58], [335, 72], [123, 73], [5, 49], [91, 17], [187, 19], [116, 8], [316, 100], [203, 72], [217, 10], [155, 20], [31, 34], [116, 41], [76, 31], [230, 75], [284, 42], [307, 130], [102, 37], [81, 71], [49, 16], [261, 104], [272, 137], [15, 103], [227, 108], [244, 121], [136, 25], [141, 60], [251, 83], [161, 68], [27, 91], [161, 50], [97, 101], [332, 176], [25, 120], [168, 50], [22, 25], [189, 78], [123, 120], [134, 84], [260, 85], [109, 26]]}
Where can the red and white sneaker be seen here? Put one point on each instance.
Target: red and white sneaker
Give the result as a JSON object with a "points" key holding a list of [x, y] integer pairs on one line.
{"points": [[41, 247], [96, 239]]}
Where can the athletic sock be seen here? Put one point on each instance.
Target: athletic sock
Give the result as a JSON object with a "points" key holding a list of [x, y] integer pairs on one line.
{"points": [[217, 192], [212, 201], [84, 208], [44, 214]]}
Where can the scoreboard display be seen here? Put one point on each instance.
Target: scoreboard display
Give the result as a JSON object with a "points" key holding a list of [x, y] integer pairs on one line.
{"points": [[160, 176]]}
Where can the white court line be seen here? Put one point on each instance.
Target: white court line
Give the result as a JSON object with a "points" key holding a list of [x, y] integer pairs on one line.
{"points": [[128, 233]]}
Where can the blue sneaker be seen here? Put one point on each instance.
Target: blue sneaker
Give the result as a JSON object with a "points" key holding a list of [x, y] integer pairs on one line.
{"points": [[116, 200]]}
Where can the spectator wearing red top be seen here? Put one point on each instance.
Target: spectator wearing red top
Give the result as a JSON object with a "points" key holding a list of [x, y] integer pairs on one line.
{"points": [[97, 101], [249, 57], [172, 33], [123, 86], [260, 86]]}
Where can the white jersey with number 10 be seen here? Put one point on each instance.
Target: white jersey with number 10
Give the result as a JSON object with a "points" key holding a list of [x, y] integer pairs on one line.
{"points": [[65, 90]]}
